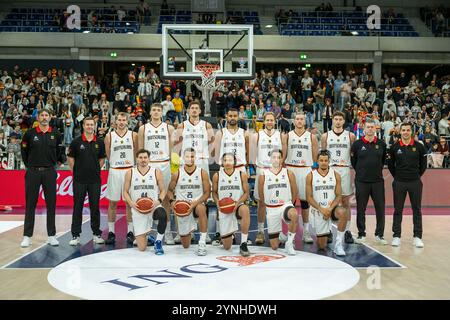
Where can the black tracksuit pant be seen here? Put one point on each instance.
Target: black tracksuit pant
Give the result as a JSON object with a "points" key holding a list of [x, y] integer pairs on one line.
{"points": [[79, 194], [376, 191], [34, 178], [414, 189]]}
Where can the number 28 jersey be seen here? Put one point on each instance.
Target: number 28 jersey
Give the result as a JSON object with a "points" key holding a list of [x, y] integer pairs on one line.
{"points": [[122, 150]]}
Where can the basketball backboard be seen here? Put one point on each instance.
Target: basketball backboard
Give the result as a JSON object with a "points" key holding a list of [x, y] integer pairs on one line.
{"points": [[228, 46]]}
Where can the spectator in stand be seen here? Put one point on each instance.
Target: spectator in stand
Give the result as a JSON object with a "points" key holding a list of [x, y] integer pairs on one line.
{"points": [[307, 85]]}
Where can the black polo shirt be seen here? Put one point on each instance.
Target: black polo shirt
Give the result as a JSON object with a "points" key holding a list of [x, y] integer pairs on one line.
{"points": [[42, 149], [368, 159], [407, 162], [87, 154]]}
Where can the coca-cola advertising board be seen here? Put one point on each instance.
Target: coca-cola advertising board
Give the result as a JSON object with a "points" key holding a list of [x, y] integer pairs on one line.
{"points": [[12, 188]]}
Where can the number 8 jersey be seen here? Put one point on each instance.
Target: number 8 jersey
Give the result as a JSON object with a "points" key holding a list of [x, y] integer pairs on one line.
{"points": [[189, 187], [277, 188]]}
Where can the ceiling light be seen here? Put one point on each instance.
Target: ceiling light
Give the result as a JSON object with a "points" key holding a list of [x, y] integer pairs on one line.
{"points": [[269, 26]]}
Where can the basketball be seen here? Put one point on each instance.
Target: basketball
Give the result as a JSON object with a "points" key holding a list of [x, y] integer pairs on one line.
{"points": [[145, 205], [227, 205], [181, 208]]}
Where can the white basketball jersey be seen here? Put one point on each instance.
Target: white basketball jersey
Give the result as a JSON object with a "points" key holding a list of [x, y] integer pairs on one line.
{"points": [[144, 186], [189, 186], [339, 147], [156, 141], [266, 144], [233, 143], [230, 186], [323, 188], [299, 149], [122, 150], [196, 137], [277, 188]]}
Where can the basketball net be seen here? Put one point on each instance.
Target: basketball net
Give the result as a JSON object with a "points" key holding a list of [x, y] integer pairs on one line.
{"points": [[208, 73]]}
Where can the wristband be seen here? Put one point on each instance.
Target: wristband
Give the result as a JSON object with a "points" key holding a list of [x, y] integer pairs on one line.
{"points": [[315, 165]]}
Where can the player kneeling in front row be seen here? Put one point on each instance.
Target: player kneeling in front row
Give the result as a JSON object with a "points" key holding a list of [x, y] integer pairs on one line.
{"points": [[189, 189], [230, 191], [143, 191], [324, 194], [277, 190]]}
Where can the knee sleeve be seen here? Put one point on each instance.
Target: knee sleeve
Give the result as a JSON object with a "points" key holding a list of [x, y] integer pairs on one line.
{"points": [[160, 215]]}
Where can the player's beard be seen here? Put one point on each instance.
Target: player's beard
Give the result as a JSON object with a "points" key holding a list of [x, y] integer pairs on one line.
{"points": [[232, 122]]}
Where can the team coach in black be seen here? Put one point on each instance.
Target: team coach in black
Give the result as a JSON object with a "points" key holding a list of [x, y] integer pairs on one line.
{"points": [[86, 157], [407, 163], [41, 150], [368, 156]]}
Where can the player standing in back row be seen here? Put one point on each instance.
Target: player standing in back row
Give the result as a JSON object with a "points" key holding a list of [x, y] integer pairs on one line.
{"points": [[234, 140], [196, 134], [339, 142], [155, 136], [301, 154], [120, 147]]}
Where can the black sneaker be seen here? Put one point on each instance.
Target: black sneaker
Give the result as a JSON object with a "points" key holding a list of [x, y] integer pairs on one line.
{"points": [[217, 241], [348, 237], [243, 250], [130, 237], [330, 237], [111, 238]]}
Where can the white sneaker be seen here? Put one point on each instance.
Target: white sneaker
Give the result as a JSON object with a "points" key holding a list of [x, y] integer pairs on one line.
{"points": [[75, 241], [290, 249], [52, 241], [98, 240], [339, 250], [282, 237], [177, 239], [208, 239], [26, 242], [201, 250], [307, 237], [360, 240], [395, 242], [418, 242], [168, 238], [381, 240]]}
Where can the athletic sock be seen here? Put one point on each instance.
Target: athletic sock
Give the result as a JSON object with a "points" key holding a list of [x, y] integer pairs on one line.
{"points": [[130, 227], [168, 227], [306, 226], [340, 236], [202, 237], [111, 226], [347, 226], [244, 237], [260, 226], [159, 237], [291, 236]]}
